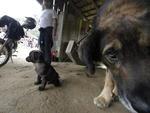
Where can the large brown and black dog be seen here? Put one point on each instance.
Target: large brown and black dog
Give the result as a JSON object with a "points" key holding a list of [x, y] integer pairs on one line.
{"points": [[121, 40], [45, 72]]}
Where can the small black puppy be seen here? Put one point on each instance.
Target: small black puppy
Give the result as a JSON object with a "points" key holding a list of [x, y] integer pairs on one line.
{"points": [[46, 73]]}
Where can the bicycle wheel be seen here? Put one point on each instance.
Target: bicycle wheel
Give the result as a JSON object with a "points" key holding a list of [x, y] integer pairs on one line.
{"points": [[5, 53]]}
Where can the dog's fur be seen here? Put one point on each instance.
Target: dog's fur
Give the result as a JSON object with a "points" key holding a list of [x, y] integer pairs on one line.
{"points": [[45, 72], [121, 40]]}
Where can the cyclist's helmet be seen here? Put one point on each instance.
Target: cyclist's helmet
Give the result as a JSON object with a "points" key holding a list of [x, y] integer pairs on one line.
{"points": [[29, 23]]}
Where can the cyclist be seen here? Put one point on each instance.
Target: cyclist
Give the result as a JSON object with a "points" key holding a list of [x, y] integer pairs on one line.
{"points": [[14, 30]]}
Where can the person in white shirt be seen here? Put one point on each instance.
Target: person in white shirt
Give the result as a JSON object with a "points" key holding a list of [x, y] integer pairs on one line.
{"points": [[47, 23]]}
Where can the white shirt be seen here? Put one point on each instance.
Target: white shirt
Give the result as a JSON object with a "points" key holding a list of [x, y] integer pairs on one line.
{"points": [[47, 18]]}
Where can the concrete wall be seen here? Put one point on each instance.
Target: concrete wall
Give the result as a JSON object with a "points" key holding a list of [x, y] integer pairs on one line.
{"points": [[70, 27], [70, 31]]}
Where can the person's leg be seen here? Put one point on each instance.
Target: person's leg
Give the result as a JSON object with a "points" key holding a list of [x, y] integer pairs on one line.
{"points": [[41, 40], [48, 45], [10, 42]]}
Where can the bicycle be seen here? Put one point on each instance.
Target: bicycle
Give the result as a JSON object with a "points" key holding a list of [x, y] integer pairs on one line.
{"points": [[9, 46]]}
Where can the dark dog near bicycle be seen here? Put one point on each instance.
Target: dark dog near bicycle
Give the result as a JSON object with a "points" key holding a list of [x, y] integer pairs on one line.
{"points": [[45, 72], [121, 39]]}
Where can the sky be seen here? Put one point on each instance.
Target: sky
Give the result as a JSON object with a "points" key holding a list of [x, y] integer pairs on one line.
{"points": [[19, 8]]}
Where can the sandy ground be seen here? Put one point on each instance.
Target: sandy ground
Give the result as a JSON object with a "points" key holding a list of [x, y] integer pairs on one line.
{"points": [[18, 94]]}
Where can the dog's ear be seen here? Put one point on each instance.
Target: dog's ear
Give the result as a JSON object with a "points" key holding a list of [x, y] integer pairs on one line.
{"points": [[89, 50], [33, 56]]}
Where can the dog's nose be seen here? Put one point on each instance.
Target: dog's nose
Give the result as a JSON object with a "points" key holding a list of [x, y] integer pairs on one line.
{"points": [[28, 59]]}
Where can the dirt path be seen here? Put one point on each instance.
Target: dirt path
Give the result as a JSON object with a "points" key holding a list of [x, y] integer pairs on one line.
{"points": [[18, 94]]}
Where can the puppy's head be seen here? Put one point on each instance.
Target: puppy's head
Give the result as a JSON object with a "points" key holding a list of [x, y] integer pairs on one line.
{"points": [[35, 56]]}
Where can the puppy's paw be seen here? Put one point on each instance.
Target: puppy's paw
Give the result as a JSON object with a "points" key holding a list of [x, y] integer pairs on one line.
{"points": [[41, 88], [37, 82], [101, 102]]}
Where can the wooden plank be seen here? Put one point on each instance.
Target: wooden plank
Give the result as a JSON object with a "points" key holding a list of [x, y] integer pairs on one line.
{"points": [[85, 11], [93, 1], [77, 9]]}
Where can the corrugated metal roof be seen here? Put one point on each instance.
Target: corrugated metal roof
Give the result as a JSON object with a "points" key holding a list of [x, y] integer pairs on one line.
{"points": [[86, 8]]}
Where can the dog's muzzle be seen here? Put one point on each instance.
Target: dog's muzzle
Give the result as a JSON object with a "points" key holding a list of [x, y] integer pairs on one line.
{"points": [[28, 59]]}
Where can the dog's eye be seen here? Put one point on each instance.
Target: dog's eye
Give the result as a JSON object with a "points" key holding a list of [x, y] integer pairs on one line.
{"points": [[111, 56]]}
